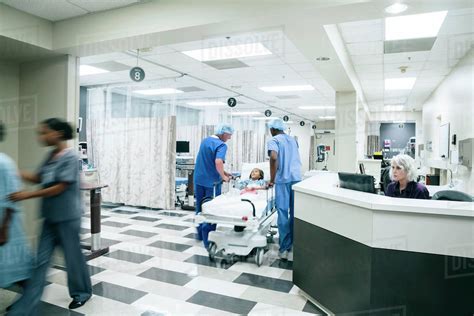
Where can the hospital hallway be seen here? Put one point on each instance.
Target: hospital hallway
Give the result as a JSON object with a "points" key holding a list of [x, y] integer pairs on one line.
{"points": [[156, 267]]}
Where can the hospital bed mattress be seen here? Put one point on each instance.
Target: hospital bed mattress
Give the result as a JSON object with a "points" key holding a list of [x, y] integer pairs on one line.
{"points": [[231, 205]]}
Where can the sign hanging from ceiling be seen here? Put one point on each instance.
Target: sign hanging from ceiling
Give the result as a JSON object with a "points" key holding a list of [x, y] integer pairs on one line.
{"points": [[286, 118], [231, 102], [268, 113], [314, 126], [302, 123], [137, 74]]}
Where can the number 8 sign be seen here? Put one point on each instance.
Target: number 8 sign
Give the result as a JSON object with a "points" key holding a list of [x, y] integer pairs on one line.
{"points": [[137, 74]]}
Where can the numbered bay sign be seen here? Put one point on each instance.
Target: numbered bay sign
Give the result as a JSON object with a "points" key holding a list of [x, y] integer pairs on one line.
{"points": [[137, 74], [268, 113], [302, 123], [286, 118], [313, 127], [231, 102]]}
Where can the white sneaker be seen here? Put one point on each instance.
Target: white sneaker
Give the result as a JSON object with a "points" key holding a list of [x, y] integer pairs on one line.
{"points": [[283, 255]]}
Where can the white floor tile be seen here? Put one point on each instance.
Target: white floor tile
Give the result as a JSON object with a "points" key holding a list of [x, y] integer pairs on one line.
{"points": [[274, 298], [118, 265], [119, 278], [168, 290], [217, 286], [272, 310], [250, 267]]}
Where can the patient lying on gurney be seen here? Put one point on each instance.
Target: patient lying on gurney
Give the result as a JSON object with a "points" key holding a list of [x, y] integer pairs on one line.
{"points": [[253, 183]]}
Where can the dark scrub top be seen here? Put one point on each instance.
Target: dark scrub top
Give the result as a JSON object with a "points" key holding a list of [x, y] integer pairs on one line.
{"points": [[61, 169], [413, 190], [205, 172]]}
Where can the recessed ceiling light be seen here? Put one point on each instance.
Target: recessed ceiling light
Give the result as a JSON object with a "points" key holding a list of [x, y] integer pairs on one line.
{"points": [[314, 107], [396, 8], [85, 70], [414, 26], [245, 113], [399, 83], [327, 117], [323, 58], [206, 103], [158, 91], [393, 108], [228, 52], [287, 88]]}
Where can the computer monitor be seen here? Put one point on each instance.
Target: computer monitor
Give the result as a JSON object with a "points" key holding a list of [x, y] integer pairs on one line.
{"points": [[182, 147], [357, 182]]}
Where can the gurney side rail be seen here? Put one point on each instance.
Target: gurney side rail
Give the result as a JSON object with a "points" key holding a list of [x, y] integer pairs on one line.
{"points": [[253, 206]]}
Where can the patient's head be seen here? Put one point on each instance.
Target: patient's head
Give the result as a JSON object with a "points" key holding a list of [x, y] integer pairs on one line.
{"points": [[256, 174]]}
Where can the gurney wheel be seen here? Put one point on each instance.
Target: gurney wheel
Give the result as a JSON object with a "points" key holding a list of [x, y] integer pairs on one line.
{"points": [[259, 256], [212, 251]]}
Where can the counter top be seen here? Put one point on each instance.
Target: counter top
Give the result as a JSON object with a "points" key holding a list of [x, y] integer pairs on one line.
{"points": [[325, 185]]}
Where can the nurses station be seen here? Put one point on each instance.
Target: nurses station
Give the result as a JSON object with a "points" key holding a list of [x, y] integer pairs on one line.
{"points": [[237, 157]]}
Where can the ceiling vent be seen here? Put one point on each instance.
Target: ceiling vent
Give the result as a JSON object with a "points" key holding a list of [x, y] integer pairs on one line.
{"points": [[410, 45], [226, 64]]}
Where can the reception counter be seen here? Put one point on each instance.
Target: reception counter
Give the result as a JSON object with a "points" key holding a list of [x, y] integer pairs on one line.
{"points": [[366, 254]]}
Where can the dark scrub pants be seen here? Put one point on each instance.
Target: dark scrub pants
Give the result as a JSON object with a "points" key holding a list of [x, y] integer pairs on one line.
{"points": [[201, 193]]}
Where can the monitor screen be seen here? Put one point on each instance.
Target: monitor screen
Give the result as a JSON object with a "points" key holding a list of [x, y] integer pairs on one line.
{"points": [[378, 157], [182, 147], [357, 182]]}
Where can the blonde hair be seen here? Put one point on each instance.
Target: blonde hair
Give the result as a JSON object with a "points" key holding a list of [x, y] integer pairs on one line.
{"points": [[407, 164]]}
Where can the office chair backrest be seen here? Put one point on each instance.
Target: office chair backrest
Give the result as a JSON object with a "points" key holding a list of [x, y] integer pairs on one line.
{"points": [[452, 195]]}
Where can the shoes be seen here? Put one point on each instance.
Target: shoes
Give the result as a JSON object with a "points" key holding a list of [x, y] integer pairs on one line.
{"points": [[76, 304], [283, 255]]}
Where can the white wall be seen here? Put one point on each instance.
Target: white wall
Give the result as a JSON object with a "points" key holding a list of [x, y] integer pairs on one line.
{"points": [[9, 106], [452, 102], [304, 141], [346, 131]]}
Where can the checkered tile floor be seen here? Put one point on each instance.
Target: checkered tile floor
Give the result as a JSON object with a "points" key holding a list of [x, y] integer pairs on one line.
{"points": [[156, 267]]}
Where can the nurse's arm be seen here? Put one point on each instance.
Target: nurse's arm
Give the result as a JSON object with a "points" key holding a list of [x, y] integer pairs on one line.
{"points": [[273, 166], [47, 192], [220, 169], [30, 177]]}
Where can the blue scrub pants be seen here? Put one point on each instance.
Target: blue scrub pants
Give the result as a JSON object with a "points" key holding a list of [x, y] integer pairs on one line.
{"points": [[65, 234], [202, 192], [285, 204]]}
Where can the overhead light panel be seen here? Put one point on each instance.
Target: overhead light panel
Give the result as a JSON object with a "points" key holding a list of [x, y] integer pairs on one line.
{"points": [[228, 52], [393, 108], [414, 26], [327, 117], [158, 91], [245, 113], [206, 103], [315, 107], [263, 118], [287, 88], [396, 8], [85, 70], [399, 83]]}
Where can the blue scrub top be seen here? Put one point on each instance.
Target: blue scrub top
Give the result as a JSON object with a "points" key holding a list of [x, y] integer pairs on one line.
{"points": [[289, 163], [205, 172]]}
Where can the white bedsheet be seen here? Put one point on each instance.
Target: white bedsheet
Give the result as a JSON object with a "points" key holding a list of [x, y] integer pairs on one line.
{"points": [[231, 204]]}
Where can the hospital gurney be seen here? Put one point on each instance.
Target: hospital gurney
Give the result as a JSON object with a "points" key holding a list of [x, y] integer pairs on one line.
{"points": [[244, 221]]}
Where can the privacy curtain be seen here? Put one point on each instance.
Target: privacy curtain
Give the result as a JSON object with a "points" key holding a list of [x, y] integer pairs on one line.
{"points": [[134, 152]]}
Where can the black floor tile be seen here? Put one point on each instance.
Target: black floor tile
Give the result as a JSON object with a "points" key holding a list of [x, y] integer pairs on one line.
{"points": [[117, 292], [205, 261], [189, 220], [145, 219], [101, 216], [104, 242], [139, 233], [264, 282], [169, 245], [174, 214], [111, 205], [171, 226], [115, 224], [119, 211], [313, 309], [222, 302], [167, 276], [85, 230], [152, 313], [94, 270], [283, 264], [128, 256], [192, 235], [50, 309]]}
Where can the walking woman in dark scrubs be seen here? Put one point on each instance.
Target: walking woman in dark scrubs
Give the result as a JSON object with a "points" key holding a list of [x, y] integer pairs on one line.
{"points": [[61, 210]]}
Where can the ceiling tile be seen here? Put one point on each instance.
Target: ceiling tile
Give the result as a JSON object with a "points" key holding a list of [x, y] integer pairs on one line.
{"points": [[94, 6], [366, 48], [362, 31]]}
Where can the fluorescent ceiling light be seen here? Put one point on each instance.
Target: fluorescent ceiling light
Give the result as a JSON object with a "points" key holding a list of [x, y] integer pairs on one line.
{"points": [[245, 113], [85, 70], [399, 83], [396, 8], [393, 108], [158, 91], [228, 52], [399, 122], [414, 26], [263, 118], [327, 117], [206, 103], [314, 107], [287, 88]]}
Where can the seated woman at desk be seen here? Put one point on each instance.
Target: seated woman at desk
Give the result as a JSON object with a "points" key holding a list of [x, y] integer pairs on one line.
{"points": [[403, 174]]}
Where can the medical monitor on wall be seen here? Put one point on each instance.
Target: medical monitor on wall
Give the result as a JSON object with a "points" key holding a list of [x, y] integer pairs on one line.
{"points": [[357, 182], [182, 147]]}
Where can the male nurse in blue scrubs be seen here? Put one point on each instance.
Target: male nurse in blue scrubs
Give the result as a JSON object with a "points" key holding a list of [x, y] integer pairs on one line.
{"points": [[209, 172], [285, 170]]}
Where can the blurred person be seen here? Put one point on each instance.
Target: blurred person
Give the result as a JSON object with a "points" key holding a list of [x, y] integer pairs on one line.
{"points": [[209, 172], [61, 210], [285, 171]]}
